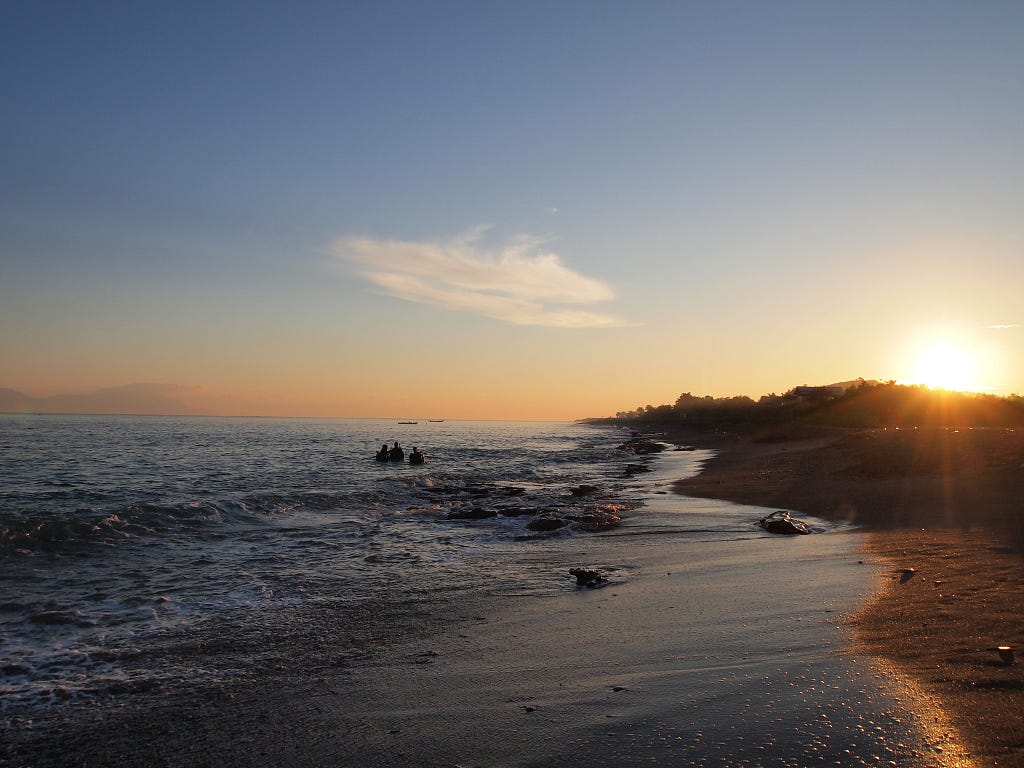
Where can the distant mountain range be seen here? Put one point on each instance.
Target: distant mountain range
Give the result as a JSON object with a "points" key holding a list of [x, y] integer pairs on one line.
{"points": [[155, 399]]}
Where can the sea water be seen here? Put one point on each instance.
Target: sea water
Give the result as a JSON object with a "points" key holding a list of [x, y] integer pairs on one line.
{"points": [[116, 528]]}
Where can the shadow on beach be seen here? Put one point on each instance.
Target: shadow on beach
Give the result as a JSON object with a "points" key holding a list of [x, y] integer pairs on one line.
{"points": [[878, 478]]}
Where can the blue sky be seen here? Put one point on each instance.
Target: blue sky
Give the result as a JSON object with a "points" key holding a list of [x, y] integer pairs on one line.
{"points": [[305, 208]]}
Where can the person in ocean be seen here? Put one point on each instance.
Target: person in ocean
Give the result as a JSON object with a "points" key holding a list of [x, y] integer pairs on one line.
{"points": [[415, 457], [396, 453]]}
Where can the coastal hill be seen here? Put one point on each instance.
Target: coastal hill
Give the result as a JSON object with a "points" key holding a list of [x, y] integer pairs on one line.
{"points": [[937, 480], [143, 398], [856, 404]]}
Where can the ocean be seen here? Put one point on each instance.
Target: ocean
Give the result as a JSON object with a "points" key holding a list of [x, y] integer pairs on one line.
{"points": [[116, 529]]}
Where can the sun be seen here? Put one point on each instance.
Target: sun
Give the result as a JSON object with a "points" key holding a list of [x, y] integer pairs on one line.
{"points": [[946, 366]]}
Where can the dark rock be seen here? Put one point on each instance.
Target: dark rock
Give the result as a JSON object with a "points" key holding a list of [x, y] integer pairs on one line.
{"points": [[641, 446], [515, 511], [588, 577], [476, 513], [546, 524], [782, 522]]}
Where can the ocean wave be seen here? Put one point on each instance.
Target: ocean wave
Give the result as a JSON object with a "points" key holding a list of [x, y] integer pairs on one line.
{"points": [[87, 528]]}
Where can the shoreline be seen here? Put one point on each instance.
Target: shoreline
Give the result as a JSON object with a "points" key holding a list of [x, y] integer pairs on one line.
{"points": [[945, 504], [735, 651], [692, 654]]}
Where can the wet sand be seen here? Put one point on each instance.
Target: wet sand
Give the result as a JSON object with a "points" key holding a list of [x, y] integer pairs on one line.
{"points": [[950, 506], [695, 652]]}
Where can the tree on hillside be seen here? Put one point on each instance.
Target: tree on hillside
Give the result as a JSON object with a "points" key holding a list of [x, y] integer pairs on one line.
{"points": [[859, 404]]}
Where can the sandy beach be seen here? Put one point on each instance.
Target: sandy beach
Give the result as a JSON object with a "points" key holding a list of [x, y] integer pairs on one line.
{"points": [[909, 478], [942, 626], [760, 651], [944, 513]]}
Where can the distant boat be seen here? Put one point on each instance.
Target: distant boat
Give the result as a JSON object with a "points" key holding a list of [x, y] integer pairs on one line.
{"points": [[408, 422], [435, 421]]}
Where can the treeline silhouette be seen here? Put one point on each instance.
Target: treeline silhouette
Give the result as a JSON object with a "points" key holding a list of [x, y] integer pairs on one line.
{"points": [[903, 456], [859, 404]]}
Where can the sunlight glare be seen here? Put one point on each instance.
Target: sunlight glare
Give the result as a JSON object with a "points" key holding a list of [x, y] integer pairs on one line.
{"points": [[945, 366]]}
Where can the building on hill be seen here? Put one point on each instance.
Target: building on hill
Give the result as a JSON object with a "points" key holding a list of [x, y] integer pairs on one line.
{"points": [[819, 393]]}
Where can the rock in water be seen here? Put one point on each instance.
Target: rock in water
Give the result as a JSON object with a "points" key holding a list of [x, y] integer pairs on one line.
{"points": [[476, 513], [782, 522], [587, 577], [640, 445], [545, 524]]}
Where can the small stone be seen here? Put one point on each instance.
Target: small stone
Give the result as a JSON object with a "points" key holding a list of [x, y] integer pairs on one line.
{"points": [[588, 577]]}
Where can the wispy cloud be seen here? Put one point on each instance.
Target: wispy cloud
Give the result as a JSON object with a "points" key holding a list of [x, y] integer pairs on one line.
{"points": [[519, 283], [1004, 327]]}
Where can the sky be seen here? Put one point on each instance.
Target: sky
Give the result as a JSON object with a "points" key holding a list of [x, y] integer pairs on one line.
{"points": [[507, 210]]}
